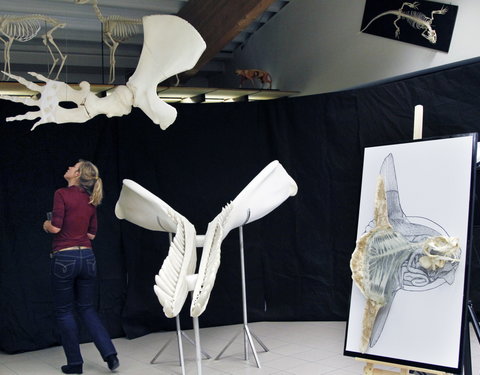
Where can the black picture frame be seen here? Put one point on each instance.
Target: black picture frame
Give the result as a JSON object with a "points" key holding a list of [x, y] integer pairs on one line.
{"points": [[387, 12], [394, 347]]}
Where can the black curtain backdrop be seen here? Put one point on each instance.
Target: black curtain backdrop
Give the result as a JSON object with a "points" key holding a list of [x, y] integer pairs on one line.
{"points": [[297, 257]]}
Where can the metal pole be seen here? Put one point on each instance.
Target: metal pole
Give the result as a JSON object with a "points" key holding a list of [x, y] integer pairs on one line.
{"points": [[247, 338], [247, 335], [244, 291], [180, 345], [198, 355]]}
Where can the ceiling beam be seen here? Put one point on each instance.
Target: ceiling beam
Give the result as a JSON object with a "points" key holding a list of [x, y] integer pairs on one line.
{"points": [[220, 21]]}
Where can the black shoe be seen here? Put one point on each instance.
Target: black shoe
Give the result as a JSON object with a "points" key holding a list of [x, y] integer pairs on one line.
{"points": [[72, 369], [113, 362]]}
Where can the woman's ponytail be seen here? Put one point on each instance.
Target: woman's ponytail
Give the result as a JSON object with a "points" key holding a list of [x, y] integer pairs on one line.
{"points": [[91, 181]]}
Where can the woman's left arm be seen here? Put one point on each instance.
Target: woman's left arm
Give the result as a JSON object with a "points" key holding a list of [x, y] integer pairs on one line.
{"points": [[49, 228]]}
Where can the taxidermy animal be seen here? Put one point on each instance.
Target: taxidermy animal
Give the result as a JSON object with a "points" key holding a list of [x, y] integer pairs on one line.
{"points": [[415, 19], [25, 28], [116, 29], [161, 33], [251, 74]]}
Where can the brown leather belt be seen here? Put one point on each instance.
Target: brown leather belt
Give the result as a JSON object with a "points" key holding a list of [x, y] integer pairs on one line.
{"points": [[69, 248]]}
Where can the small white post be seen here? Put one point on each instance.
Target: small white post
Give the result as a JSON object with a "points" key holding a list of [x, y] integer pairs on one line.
{"points": [[418, 122]]}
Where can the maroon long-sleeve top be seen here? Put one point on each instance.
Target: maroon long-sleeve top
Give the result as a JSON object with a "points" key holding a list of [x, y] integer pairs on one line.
{"points": [[74, 216]]}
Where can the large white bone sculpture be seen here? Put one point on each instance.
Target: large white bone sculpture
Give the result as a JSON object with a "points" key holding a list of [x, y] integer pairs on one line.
{"points": [[25, 28], [209, 262], [116, 29], [139, 206], [270, 188], [171, 45]]}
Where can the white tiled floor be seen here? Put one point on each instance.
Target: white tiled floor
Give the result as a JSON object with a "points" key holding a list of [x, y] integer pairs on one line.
{"points": [[295, 348]]}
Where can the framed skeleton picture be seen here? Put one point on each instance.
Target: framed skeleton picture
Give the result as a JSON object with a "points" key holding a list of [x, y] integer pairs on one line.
{"points": [[409, 266], [425, 23]]}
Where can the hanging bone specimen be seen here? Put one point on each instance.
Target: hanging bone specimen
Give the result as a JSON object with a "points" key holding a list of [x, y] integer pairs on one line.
{"points": [[397, 254], [170, 46], [25, 28], [116, 29]]}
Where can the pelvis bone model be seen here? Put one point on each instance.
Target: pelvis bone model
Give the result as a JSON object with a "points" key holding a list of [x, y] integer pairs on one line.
{"points": [[170, 46], [270, 188]]}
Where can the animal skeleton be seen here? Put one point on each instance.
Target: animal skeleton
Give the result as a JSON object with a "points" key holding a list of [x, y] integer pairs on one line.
{"points": [[439, 250], [161, 33], [25, 28], [415, 19], [116, 29]]}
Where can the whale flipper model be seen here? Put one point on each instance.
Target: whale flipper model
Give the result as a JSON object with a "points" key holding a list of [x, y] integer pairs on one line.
{"points": [[396, 253]]}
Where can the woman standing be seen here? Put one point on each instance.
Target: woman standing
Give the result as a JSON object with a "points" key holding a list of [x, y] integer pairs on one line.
{"points": [[73, 266]]}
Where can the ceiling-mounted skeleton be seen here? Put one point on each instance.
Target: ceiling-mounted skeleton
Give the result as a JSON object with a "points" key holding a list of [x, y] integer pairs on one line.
{"points": [[115, 29], [170, 46], [25, 28]]}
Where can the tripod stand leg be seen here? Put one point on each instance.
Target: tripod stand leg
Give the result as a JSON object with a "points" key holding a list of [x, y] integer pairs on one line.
{"points": [[180, 347], [205, 355], [252, 346], [160, 351], [473, 319], [259, 341], [228, 344]]}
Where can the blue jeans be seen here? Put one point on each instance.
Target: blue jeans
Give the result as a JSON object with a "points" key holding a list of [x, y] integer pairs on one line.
{"points": [[73, 283]]}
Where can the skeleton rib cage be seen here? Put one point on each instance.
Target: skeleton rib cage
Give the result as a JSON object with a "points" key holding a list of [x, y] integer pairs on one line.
{"points": [[25, 28]]}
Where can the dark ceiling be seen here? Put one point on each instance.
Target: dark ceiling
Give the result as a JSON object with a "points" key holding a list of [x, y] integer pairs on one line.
{"points": [[224, 24]]}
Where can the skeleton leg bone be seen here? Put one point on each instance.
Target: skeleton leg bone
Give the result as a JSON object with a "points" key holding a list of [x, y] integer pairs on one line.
{"points": [[7, 54], [54, 59], [113, 49]]}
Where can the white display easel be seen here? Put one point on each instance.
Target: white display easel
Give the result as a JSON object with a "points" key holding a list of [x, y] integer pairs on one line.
{"points": [[370, 365]]}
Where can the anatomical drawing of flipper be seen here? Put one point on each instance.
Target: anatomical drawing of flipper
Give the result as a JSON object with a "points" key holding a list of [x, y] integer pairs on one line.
{"points": [[400, 223], [414, 232], [379, 323]]}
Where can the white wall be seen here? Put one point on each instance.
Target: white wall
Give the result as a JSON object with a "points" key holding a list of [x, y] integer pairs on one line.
{"points": [[314, 46]]}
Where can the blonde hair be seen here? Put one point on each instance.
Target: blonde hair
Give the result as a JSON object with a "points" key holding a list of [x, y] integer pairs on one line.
{"points": [[90, 180]]}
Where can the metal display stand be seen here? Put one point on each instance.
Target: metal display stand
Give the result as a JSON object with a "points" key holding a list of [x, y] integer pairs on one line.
{"points": [[467, 355], [471, 318], [247, 335], [199, 353]]}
